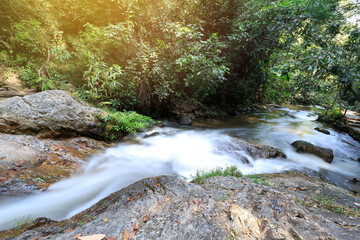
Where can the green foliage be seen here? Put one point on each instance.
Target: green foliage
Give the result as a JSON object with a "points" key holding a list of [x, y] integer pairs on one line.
{"points": [[101, 79], [29, 37], [262, 30], [201, 175], [150, 55], [33, 80], [202, 66], [23, 225], [30, 77], [117, 124], [152, 73], [113, 43], [323, 57]]}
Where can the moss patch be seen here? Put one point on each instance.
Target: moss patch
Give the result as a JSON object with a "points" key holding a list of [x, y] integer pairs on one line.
{"points": [[330, 204]]}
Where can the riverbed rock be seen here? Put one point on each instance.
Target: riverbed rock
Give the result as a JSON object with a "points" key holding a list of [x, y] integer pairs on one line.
{"points": [[49, 114], [243, 150], [28, 163], [184, 120], [322, 130], [153, 134], [269, 152], [305, 147], [168, 208], [275, 106]]}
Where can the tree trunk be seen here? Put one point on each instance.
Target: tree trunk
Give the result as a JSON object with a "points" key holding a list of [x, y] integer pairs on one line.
{"points": [[352, 90]]}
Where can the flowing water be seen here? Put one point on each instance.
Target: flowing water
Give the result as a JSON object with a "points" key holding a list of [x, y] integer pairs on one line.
{"points": [[182, 151]]}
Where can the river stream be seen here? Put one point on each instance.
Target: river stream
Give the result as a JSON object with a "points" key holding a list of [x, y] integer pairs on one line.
{"points": [[182, 151]]}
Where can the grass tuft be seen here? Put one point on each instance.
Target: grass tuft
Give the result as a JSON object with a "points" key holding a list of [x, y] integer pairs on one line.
{"points": [[23, 225], [201, 175]]}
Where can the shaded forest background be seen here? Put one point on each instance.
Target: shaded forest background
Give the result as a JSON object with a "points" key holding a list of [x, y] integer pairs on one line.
{"points": [[161, 57]]}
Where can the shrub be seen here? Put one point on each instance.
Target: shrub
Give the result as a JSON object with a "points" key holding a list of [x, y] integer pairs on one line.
{"points": [[333, 116], [117, 124], [30, 77]]}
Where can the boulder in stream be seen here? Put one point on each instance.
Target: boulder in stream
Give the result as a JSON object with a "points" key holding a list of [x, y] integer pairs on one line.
{"points": [[322, 130], [168, 208], [49, 114], [184, 120], [243, 150], [269, 151], [305, 147]]}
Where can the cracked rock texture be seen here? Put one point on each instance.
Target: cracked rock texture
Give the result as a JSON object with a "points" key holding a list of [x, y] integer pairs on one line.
{"points": [[49, 114], [166, 207]]}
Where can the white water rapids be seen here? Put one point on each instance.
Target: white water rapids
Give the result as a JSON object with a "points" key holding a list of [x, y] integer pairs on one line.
{"points": [[182, 152]]}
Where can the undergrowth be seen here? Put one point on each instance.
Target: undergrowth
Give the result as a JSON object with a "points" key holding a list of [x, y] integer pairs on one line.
{"points": [[118, 124]]}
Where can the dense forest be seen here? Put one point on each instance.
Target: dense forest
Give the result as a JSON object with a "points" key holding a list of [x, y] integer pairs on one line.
{"points": [[164, 56]]}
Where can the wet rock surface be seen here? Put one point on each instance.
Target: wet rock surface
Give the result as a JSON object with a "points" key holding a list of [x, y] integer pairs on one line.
{"points": [[28, 163], [49, 114], [222, 208], [306, 147], [184, 120], [322, 130], [238, 147]]}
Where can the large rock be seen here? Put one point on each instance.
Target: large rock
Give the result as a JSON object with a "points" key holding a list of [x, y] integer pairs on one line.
{"points": [[222, 208], [305, 147], [49, 114]]}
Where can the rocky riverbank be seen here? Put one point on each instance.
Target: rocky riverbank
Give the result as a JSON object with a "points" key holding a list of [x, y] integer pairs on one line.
{"points": [[28, 163], [278, 206], [56, 144]]}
